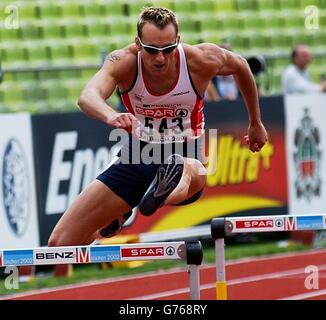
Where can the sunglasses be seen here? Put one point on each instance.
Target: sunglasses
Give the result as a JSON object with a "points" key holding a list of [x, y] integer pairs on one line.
{"points": [[155, 50]]}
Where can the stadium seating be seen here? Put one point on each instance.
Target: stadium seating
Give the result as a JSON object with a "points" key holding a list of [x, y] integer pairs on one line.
{"points": [[62, 42]]}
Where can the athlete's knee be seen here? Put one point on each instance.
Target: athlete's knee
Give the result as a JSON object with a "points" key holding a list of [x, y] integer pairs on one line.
{"points": [[198, 173], [200, 170], [202, 178], [195, 167]]}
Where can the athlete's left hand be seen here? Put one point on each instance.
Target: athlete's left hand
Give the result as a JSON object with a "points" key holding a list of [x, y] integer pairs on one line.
{"points": [[257, 137]]}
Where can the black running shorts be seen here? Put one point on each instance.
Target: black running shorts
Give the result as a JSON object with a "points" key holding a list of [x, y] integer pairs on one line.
{"points": [[132, 173]]}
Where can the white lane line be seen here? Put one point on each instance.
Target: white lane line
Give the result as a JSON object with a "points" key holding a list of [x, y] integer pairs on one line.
{"points": [[277, 256], [306, 295], [233, 282]]}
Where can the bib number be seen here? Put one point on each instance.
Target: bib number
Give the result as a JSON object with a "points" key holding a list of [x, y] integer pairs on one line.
{"points": [[164, 124]]}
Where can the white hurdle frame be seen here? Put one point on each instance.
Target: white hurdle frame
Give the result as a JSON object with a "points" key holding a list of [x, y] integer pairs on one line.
{"points": [[221, 227], [191, 251]]}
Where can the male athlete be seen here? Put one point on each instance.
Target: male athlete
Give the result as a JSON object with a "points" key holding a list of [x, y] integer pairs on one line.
{"points": [[162, 84]]}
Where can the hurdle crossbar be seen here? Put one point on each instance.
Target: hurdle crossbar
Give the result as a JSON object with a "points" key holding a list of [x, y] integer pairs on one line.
{"points": [[190, 251], [221, 227]]}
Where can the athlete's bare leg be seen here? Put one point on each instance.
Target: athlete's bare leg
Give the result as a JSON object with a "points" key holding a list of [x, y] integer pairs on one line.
{"points": [[193, 180], [93, 209]]}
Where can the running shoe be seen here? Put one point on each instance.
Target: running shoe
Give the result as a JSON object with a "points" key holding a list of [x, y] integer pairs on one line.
{"points": [[167, 178], [115, 226]]}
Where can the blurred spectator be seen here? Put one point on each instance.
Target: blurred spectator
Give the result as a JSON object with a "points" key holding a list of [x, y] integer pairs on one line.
{"points": [[295, 78], [222, 87]]}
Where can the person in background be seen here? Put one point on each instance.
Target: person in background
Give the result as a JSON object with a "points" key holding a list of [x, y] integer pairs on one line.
{"points": [[296, 78]]}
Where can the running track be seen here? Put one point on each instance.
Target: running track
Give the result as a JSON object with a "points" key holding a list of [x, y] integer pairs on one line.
{"points": [[270, 277]]}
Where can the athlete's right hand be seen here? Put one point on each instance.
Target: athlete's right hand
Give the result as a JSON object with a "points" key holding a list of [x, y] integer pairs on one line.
{"points": [[126, 121]]}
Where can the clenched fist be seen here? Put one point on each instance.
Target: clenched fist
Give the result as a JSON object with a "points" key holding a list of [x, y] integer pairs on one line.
{"points": [[257, 137]]}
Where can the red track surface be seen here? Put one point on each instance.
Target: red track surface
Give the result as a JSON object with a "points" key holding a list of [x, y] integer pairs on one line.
{"points": [[277, 277]]}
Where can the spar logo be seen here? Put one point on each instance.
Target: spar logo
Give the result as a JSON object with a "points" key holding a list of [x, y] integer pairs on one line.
{"points": [[161, 112], [279, 223], [142, 252], [307, 158], [170, 251], [156, 113], [248, 224], [16, 187], [83, 255]]}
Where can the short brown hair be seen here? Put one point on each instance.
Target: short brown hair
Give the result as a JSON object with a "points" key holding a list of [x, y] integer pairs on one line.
{"points": [[160, 17]]}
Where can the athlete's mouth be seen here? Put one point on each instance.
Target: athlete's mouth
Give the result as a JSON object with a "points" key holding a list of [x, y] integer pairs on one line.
{"points": [[159, 66]]}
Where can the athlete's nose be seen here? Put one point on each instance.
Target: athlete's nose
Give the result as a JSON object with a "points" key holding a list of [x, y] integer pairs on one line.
{"points": [[160, 57]]}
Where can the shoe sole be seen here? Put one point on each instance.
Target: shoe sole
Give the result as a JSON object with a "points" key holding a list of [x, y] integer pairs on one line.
{"points": [[110, 231], [167, 178]]}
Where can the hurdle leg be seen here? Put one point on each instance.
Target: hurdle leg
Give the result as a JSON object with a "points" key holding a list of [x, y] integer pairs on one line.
{"points": [[194, 281], [194, 251], [221, 289]]}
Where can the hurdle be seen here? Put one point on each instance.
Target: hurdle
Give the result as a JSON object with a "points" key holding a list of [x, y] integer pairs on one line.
{"points": [[190, 251], [221, 227]]}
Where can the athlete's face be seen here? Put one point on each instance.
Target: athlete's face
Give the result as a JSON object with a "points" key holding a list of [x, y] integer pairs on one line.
{"points": [[158, 61]]}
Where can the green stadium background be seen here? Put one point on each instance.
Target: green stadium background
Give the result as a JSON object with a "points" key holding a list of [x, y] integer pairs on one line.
{"points": [[58, 45]]}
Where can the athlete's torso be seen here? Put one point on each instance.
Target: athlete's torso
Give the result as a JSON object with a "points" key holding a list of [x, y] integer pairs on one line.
{"points": [[173, 116]]}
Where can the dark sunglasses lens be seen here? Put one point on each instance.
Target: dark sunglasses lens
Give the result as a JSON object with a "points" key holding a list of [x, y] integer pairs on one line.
{"points": [[168, 50], [151, 50]]}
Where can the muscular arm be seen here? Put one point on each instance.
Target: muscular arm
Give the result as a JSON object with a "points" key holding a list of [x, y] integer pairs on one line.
{"points": [[97, 91], [229, 63], [92, 100], [209, 60], [246, 84]]}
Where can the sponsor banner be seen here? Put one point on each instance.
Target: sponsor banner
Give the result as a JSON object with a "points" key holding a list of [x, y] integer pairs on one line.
{"points": [[153, 251], [275, 223], [18, 257], [306, 159], [259, 224], [310, 223], [70, 151], [18, 206], [105, 254], [1, 263], [54, 256]]}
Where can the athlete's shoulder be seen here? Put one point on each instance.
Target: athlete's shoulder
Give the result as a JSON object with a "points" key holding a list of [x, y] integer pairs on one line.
{"points": [[204, 58], [123, 55], [121, 61]]}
